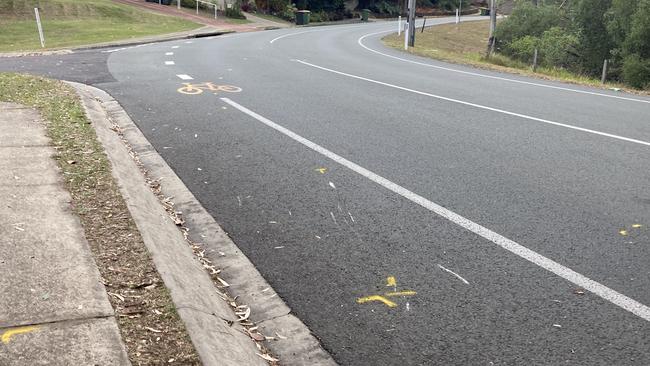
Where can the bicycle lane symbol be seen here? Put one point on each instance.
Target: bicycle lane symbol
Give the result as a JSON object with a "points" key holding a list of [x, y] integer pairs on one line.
{"points": [[195, 89]]}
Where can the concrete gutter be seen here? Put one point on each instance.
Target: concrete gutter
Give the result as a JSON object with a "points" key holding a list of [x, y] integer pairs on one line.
{"points": [[204, 313]]}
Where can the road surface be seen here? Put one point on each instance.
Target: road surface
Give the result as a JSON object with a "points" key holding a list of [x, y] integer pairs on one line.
{"points": [[410, 212]]}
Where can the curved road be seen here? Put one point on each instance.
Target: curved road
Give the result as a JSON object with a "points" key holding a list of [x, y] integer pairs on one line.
{"points": [[486, 210]]}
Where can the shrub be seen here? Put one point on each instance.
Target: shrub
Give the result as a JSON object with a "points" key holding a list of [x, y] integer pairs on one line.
{"points": [[557, 47], [636, 71], [522, 48]]}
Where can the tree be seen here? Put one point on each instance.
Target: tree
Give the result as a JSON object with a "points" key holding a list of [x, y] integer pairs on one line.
{"points": [[595, 43]]}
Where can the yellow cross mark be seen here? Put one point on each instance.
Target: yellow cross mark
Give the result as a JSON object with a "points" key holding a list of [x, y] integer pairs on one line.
{"points": [[6, 336], [321, 170], [391, 281]]}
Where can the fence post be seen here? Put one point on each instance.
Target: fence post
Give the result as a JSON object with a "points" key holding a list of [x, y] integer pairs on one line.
{"points": [[40, 28], [399, 25], [604, 77], [535, 60]]}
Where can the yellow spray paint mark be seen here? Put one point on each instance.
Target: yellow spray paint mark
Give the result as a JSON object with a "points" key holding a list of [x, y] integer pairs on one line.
{"points": [[401, 293], [386, 302], [623, 232], [636, 226], [6, 336], [321, 170], [391, 282], [194, 89]]}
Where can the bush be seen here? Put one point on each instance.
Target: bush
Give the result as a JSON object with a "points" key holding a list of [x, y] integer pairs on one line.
{"points": [[528, 20], [522, 48], [636, 71], [557, 47]]}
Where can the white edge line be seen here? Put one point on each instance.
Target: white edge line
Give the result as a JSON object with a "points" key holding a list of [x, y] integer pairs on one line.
{"points": [[360, 42], [568, 274], [479, 105], [315, 30], [454, 273]]}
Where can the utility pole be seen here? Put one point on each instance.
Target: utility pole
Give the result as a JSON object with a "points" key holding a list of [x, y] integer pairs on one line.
{"points": [[493, 26], [411, 23]]}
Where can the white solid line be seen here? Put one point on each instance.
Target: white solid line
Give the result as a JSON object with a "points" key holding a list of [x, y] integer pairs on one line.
{"points": [[169, 53], [360, 42], [454, 273], [313, 30], [185, 77], [480, 106], [169, 63], [568, 274]]}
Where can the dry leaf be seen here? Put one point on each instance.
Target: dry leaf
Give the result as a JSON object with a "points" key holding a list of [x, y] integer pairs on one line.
{"points": [[268, 357]]}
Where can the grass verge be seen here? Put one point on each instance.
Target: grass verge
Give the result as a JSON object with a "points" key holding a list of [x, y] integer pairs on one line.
{"points": [[68, 23], [466, 43], [148, 322]]}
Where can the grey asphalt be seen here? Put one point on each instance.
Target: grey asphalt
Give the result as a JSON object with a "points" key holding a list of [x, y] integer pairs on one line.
{"points": [[561, 192]]}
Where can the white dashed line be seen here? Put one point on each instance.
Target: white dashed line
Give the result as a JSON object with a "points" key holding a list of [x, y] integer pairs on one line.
{"points": [[175, 46], [169, 53], [185, 77], [188, 42], [170, 63], [548, 264]]}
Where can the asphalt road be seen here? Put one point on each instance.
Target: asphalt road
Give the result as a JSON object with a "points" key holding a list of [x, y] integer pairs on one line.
{"points": [[498, 200]]}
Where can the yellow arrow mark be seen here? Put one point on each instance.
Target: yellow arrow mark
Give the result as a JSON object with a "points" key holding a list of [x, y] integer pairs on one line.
{"points": [[401, 293], [391, 281], [321, 170], [623, 232], [6, 336], [386, 302]]}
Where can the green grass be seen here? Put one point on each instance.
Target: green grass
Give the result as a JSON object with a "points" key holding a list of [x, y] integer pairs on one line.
{"points": [[68, 23], [236, 21], [466, 43], [272, 18]]}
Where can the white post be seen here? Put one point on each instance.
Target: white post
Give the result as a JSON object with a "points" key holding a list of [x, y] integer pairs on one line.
{"points": [[399, 25], [460, 10], [406, 37], [40, 28], [178, 4], [457, 17], [197, 8]]}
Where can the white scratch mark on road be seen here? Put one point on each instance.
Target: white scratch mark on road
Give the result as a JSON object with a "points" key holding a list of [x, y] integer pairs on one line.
{"points": [[338, 206], [280, 247], [239, 201], [454, 273], [317, 237], [351, 217], [332, 185], [408, 306], [273, 222], [333, 218], [290, 213]]}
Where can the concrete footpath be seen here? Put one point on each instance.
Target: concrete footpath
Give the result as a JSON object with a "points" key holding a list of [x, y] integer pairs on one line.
{"points": [[53, 307]]}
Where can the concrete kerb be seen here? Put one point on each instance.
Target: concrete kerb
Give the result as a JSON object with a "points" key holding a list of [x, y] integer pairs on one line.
{"points": [[268, 310]]}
